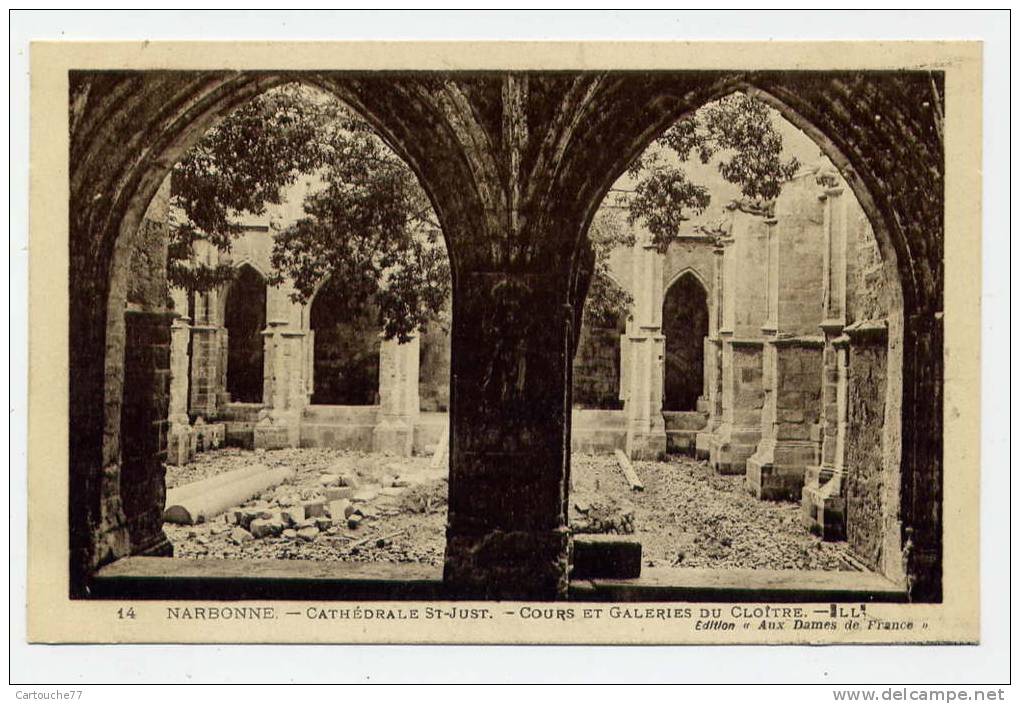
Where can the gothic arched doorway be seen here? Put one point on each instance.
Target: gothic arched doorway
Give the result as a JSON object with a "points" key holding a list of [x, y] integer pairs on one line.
{"points": [[685, 325], [245, 319]]}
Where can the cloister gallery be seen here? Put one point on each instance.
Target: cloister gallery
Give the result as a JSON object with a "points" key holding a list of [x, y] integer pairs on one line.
{"points": [[781, 341]]}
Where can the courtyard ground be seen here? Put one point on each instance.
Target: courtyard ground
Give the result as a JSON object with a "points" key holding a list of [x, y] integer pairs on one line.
{"points": [[687, 516]]}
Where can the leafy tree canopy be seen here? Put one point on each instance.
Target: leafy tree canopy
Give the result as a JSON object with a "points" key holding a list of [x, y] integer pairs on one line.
{"points": [[371, 224], [737, 132]]}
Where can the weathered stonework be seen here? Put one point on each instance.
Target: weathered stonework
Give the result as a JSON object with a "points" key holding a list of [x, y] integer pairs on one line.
{"points": [[866, 476], [740, 332], [144, 430], [399, 403], [516, 165], [792, 358], [642, 355], [713, 356]]}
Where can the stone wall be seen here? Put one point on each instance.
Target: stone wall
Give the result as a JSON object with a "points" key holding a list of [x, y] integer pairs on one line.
{"points": [[144, 422], [866, 476], [597, 367], [434, 370], [144, 430], [874, 393], [147, 283]]}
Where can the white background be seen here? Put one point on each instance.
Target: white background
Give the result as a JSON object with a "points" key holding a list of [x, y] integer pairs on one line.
{"points": [[988, 663]]}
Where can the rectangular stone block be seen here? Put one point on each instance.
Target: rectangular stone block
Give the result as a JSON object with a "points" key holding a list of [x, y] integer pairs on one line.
{"points": [[606, 557], [770, 482], [339, 510], [314, 509], [293, 515], [334, 493]]}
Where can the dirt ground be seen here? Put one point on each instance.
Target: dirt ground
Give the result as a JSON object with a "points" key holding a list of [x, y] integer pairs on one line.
{"points": [[687, 516]]}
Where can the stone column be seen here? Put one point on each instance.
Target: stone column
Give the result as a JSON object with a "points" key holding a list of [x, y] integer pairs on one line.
{"points": [[743, 313], [792, 371], [823, 505], [646, 429], [713, 357], [145, 428], [512, 343], [181, 445], [208, 367], [398, 396], [865, 485], [283, 382]]}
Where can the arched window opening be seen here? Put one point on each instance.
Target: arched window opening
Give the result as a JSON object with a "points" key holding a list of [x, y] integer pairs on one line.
{"points": [[346, 354], [684, 325], [245, 319]]}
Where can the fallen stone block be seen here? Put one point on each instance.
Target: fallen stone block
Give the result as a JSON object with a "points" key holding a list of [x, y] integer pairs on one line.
{"points": [[308, 533], [323, 523], [391, 491], [240, 535], [401, 483], [340, 509], [266, 527], [338, 492], [366, 493], [314, 508], [605, 557], [289, 533], [293, 514], [628, 471], [328, 479]]}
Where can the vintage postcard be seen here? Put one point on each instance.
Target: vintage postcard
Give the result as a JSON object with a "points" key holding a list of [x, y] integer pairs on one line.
{"points": [[505, 342]]}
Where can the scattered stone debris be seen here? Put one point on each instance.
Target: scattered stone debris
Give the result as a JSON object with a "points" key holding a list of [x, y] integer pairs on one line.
{"points": [[352, 506], [602, 514], [336, 500]]}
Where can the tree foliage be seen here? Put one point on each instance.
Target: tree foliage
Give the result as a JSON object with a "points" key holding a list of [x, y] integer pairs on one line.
{"points": [[370, 224], [738, 132]]}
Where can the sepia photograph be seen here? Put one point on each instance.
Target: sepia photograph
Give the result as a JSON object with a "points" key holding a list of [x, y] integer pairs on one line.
{"points": [[505, 342]]}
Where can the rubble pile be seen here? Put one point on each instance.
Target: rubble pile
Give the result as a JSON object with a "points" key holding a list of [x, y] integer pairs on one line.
{"points": [[364, 507], [340, 506], [602, 514]]}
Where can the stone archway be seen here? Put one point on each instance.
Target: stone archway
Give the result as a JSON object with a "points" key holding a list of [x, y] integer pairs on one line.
{"points": [[685, 326], [515, 165]]}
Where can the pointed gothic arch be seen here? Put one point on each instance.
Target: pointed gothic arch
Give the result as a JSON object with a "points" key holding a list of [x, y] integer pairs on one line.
{"points": [[684, 325], [244, 317]]}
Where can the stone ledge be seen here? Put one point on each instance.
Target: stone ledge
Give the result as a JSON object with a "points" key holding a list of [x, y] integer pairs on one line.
{"points": [[703, 584], [214, 578], [746, 342], [867, 331], [156, 578]]}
